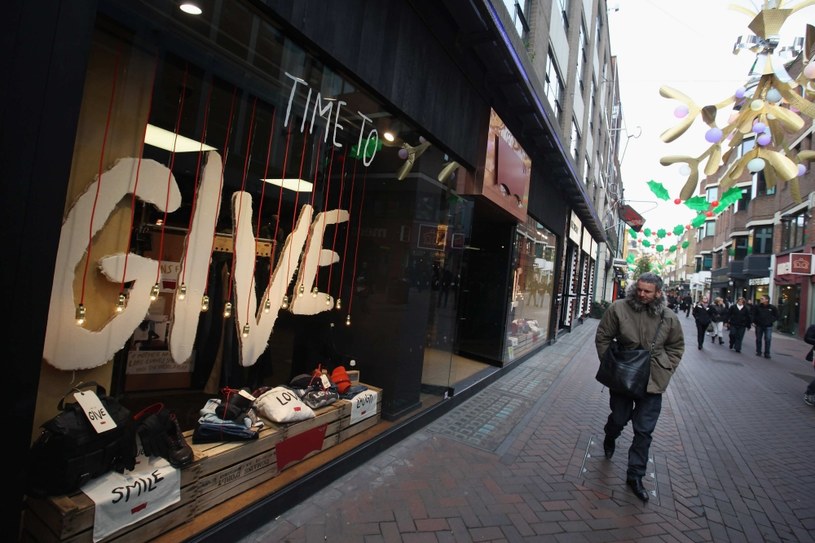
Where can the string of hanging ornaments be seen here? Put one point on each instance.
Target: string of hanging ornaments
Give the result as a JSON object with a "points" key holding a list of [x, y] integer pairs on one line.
{"points": [[768, 110]]}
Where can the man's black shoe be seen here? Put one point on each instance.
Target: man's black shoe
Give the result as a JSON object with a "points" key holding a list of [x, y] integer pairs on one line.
{"points": [[639, 490], [608, 448]]}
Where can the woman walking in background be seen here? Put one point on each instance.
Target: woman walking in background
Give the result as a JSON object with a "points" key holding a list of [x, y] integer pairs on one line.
{"points": [[718, 314], [702, 318], [738, 318]]}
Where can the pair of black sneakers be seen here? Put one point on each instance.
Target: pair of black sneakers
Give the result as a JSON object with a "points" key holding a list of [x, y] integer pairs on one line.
{"points": [[160, 435]]}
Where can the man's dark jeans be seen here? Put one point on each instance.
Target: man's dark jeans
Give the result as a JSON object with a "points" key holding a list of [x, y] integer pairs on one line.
{"points": [[643, 414], [765, 332]]}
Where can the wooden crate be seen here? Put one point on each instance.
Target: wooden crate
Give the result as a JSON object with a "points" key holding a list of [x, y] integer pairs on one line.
{"points": [[220, 471]]}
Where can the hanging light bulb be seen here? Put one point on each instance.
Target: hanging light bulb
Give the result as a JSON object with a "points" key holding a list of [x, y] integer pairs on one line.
{"points": [[246, 330], [80, 314], [348, 320], [205, 303], [267, 305], [328, 300], [338, 305], [285, 304], [182, 291], [154, 292], [314, 291], [227, 310], [302, 289], [121, 303]]}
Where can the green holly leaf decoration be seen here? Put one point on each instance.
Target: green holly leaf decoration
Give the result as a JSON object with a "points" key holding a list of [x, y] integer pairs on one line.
{"points": [[698, 220], [647, 232], [698, 203], [661, 233], [672, 248], [659, 248], [685, 244], [630, 259], [371, 146], [632, 233], [646, 243], [659, 190], [678, 229]]}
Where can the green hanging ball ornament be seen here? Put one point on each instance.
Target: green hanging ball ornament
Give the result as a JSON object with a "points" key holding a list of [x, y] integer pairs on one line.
{"points": [[632, 233], [647, 232], [685, 244], [646, 243], [678, 229], [659, 248], [661, 233]]}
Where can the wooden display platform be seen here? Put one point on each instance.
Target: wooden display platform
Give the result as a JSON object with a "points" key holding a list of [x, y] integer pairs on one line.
{"points": [[221, 471]]}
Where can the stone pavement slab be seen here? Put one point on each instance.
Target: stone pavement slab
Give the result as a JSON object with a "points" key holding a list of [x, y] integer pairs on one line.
{"points": [[522, 460]]}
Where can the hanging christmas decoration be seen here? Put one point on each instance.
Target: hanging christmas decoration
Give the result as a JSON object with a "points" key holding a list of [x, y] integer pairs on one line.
{"points": [[659, 190], [769, 112]]}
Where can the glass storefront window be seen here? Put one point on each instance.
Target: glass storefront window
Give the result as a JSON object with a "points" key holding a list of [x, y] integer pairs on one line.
{"points": [[530, 311]]}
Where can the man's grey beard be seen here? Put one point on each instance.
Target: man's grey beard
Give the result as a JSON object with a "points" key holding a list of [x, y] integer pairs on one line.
{"points": [[654, 308]]}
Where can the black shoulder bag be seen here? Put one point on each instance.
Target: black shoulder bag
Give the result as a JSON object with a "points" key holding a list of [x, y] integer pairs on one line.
{"points": [[627, 372]]}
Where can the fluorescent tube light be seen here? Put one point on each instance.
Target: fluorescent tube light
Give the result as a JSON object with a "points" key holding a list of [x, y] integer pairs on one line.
{"points": [[297, 185], [164, 139]]}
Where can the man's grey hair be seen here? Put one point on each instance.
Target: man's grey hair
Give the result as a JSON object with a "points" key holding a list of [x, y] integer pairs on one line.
{"points": [[651, 278]]}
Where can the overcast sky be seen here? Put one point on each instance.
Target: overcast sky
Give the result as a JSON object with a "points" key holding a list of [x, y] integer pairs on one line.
{"points": [[686, 45]]}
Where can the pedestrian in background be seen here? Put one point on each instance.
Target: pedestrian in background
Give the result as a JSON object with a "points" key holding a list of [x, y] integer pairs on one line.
{"points": [[739, 321], [809, 393], [764, 316], [633, 322], [687, 303], [718, 314], [702, 318]]}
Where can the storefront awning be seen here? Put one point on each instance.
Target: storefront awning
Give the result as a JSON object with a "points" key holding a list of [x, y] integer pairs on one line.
{"points": [[630, 217]]}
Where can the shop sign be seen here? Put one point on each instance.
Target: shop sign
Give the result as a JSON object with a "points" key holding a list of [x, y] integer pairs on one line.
{"points": [[801, 263], [755, 281]]}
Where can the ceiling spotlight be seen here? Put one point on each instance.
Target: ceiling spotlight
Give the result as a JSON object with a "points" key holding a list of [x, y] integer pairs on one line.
{"points": [[388, 135], [190, 7]]}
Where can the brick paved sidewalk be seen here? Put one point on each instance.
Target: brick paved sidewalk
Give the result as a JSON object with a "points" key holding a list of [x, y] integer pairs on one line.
{"points": [[522, 460]]}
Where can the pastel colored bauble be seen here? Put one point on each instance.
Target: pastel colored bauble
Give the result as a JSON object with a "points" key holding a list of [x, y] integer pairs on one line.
{"points": [[764, 139], [756, 165], [756, 105], [684, 169], [714, 135], [681, 111], [809, 70], [740, 92], [801, 170], [758, 128], [773, 96]]}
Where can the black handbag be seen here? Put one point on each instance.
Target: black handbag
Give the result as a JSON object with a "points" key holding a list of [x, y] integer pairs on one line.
{"points": [[70, 452], [626, 371]]}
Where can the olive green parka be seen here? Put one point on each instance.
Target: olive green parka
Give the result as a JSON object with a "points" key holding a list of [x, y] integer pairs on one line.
{"points": [[634, 330]]}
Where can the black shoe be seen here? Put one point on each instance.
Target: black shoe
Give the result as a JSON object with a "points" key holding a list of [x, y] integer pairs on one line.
{"points": [[766, 356], [700, 347], [608, 447], [713, 339], [738, 351], [639, 490], [758, 354], [721, 341]]}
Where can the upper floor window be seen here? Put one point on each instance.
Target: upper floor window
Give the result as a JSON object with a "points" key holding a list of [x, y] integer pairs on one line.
{"points": [[793, 230], [739, 247], [575, 138], [517, 10], [717, 259], [741, 204], [582, 54], [553, 85], [564, 12], [712, 194], [760, 187], [763, 240]]}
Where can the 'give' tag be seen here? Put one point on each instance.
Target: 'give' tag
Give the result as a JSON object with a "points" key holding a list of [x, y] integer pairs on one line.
{"points": [[95, 411]]}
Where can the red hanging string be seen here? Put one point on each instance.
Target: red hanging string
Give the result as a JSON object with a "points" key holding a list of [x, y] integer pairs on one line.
{"points": [[99, 178], [348, 227], [260, 211], [356, 249], [297, 193], [196, 182], [136, 182], [325, 206], [223, 169], [313, 192], [170, 172], [280, 194], [248, 155], [336, 227]]}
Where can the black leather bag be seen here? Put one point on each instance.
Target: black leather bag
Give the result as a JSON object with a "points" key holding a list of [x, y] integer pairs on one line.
{"points": [[70, 452], [625, 372]]}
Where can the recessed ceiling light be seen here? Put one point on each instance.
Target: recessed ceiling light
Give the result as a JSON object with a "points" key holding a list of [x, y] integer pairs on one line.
{"points": [[169, 141], [297, 185], [389, 136], [191, 8]]}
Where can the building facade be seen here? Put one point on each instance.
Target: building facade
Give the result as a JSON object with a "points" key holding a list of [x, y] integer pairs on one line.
{"points": [[217, 196]]}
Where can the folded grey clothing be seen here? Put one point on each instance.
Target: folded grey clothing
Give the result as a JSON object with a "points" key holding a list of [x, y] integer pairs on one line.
{"points": [[320, 398], [352, 391], [210, 433]]}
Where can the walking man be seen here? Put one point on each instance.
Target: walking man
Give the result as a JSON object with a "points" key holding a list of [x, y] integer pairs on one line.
{"points": [[764, 316], [702, 318], [739, 320], [633, 322]]}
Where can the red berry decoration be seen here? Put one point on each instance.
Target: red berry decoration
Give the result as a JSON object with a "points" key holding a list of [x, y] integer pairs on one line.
{"points": [[708, 213], [678, 201], [714, 203], [687, 227]]}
